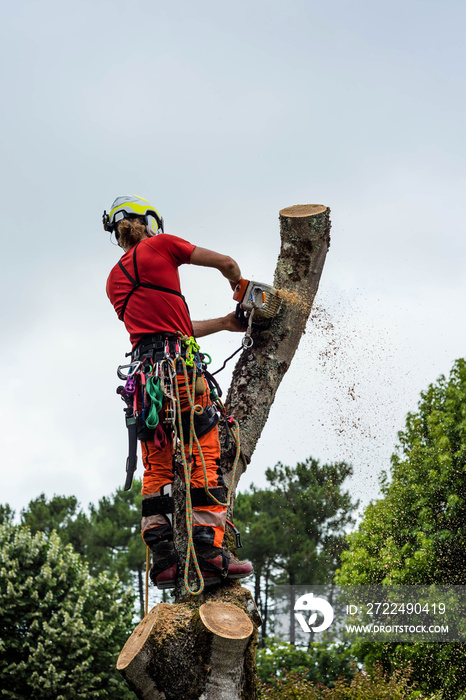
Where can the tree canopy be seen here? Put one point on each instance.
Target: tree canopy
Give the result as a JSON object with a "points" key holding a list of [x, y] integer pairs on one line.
{"points": [[108, 537], [60, 629], [416, 533], [298, 523], [294, 530]]}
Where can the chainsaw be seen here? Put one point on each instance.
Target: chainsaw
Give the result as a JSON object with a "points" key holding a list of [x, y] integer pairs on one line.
{"points": [[258, 297]]}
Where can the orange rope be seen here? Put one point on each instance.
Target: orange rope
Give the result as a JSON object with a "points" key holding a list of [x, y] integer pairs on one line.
{"points": [[147, 581]]}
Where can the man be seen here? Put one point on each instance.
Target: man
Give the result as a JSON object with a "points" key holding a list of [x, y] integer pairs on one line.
{"points": [[144, 288]]}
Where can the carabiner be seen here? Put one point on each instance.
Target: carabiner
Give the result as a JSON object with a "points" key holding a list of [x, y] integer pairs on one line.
{"points": [[136, 365]]}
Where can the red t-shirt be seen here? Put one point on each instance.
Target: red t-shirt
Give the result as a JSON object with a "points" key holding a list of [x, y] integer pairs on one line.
{"points": [[149, 310]]}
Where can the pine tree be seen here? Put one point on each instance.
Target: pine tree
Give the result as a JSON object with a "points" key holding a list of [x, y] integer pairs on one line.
{"points": [[297, 525]]}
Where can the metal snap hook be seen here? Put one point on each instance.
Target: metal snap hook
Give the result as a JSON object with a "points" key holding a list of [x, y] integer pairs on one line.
{"points": [[131, 372]]}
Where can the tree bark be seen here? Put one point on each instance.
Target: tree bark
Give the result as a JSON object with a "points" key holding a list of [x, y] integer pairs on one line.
{"points": [[305, 239], [182, 650]]}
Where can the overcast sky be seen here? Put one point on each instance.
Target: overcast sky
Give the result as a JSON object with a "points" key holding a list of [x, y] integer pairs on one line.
{"points": [[221, 114]]}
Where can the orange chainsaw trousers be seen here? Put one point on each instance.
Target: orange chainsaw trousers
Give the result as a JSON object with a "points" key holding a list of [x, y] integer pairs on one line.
{"points": [[158, 473]]}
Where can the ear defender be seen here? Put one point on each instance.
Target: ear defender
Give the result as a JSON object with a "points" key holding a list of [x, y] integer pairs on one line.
{"points": [[154, 225], [151, 225]]}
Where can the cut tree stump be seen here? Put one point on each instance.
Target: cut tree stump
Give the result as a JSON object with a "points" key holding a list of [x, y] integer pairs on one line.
{"points": [[182, 651], [202, 647]]}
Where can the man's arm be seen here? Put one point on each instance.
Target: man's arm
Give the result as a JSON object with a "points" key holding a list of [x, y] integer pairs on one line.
{"points": [[213, 325], [229, 269], [224, 263]]}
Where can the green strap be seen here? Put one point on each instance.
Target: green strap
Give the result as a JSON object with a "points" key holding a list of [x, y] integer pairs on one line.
{"points": [[155, 393]]}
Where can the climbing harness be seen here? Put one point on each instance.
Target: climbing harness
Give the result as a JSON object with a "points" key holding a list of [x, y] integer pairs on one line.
{"points": [[136, 282], [160, 364]]}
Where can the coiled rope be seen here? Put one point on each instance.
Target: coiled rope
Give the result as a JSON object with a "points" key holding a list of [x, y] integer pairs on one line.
{"points": [[156, 395], [187, 467]]}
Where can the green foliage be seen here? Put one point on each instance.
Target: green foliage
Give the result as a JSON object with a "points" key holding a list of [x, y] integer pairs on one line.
{"points": [[60, 513], [298, 523], [320, 663], [416, 534], [60, 629], [376, 686], [294, 530], [115, 543], [109, 538], [6, 514]]}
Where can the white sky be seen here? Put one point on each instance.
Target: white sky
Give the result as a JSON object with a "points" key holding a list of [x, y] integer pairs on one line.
{"points": [[221, 115]]}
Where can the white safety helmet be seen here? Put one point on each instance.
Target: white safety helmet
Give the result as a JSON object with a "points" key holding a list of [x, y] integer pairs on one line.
{"points": [[126, 207]]}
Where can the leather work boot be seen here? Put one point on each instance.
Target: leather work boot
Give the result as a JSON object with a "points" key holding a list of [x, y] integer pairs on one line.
{"points": [[165, 564], [217, 566]]}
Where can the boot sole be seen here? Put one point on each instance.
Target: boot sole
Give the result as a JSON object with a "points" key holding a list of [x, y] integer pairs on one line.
{"points": [[232, 577], [207, 581]]}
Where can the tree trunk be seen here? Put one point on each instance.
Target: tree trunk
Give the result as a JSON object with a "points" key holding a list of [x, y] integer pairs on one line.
{"points": [[292, 581], [257, 588], [141, 591], [305, 239], [265, 614], [180, 651]]}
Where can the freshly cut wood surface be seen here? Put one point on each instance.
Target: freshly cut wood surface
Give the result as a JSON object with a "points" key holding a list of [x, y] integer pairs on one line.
{"points": [[299, 210], [226, 620], [137, 640]]}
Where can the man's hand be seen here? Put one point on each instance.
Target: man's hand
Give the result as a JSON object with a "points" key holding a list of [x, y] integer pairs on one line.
{"points": [[235, 324]]}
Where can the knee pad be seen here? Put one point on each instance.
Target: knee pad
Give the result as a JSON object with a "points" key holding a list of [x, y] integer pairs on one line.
{"points": [[200, 497], [159, 505]]}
